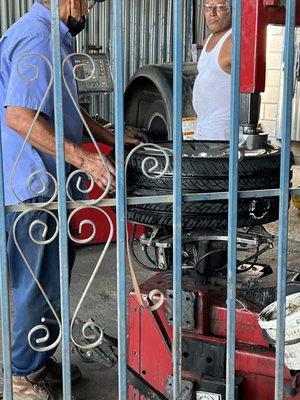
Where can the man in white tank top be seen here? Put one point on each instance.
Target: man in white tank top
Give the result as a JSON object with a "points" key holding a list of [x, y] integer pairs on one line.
{"points": [[211, 95]]}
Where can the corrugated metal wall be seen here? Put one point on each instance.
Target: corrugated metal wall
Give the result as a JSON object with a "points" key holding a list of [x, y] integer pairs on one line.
{"points": [[11, 10], [147, 34]]}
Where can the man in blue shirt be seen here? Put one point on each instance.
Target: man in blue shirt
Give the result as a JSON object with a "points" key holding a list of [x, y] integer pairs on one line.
{"points": [[29, 169]]}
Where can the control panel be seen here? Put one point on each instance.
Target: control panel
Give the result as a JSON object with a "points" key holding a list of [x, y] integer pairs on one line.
{"points": [[100, 81]]}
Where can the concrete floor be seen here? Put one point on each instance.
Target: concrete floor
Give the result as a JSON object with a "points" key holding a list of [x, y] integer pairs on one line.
{"points": [[100, 383]]}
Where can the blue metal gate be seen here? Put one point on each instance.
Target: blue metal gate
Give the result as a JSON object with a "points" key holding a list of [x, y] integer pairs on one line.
{"points": [[121, 203]]}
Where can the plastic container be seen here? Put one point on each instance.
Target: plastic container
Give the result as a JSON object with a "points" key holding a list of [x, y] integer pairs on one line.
{"points": [[268, 322], [296, 200]]}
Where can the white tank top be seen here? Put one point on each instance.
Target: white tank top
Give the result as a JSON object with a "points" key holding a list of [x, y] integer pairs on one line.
{"points": [[211, 95]]}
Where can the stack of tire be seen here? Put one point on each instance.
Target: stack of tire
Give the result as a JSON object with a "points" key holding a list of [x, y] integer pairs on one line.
{"points": [[204, 175]]}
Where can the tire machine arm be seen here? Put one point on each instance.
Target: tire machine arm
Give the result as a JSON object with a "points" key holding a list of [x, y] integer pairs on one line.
{"points": [[256, 16]]}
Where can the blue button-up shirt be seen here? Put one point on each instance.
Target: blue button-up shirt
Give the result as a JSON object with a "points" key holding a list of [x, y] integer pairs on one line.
{"points": [[24, 81]]}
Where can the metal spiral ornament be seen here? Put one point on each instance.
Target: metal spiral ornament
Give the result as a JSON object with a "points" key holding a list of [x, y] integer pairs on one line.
{"points": [[90, 325], [43, 241], [101, 157], [156, 297], [36, 174]]}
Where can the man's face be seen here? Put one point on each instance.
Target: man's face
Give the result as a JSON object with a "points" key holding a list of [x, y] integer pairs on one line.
{"points": [[217, 15]]}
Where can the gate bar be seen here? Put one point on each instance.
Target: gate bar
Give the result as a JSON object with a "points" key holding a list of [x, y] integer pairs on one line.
{"points": [[120, 185], [169, 199], [177, 191], [5, 309], [289, 59], [62, 200], [233, 198]]}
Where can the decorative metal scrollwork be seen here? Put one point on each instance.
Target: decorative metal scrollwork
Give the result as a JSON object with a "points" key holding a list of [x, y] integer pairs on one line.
{"points": [[109, 177], [42, 241], [42, 176], [36, 174], [156, 297], [92, 333]]}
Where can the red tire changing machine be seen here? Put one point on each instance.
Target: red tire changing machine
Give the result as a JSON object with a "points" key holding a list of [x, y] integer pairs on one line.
{"points": [[204, 346], [204, 320], [204, 303]]}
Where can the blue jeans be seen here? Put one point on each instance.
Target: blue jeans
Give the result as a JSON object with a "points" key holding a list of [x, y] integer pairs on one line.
{"points": [[29, 303]]}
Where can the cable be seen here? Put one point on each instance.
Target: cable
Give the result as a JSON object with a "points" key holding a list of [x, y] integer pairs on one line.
{"points": [[136, 259]]}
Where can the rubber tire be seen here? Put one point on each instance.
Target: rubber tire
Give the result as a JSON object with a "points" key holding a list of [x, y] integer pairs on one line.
{"points": [[146, 111], [204, 214], [205, 175]]}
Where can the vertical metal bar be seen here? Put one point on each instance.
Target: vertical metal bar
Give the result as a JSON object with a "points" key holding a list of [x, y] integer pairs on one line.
{"points": [[200, 28], [62, 206], [126, 4], [189, 29], [155, 37], [137, 36], [120, 184], [23, 7], [169, 31], [289, 54], [5, 316], [4, 16], [111, 45], [147, 36], [143, 33], [133, 31], [161, 39], [233, 198], [177, 191], [164, 44]]}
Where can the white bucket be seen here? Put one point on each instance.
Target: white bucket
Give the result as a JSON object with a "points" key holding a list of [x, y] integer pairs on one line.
{"points": [[268, 322]]}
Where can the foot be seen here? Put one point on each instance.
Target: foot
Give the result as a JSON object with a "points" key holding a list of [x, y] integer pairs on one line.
{"points": [[54, 373], [35, 387]]}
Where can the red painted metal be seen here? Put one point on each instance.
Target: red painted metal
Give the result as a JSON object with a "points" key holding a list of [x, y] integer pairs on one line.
{"points": [[256, 16], [134, 394], [148, 350], [102, 225], [150, 338]]}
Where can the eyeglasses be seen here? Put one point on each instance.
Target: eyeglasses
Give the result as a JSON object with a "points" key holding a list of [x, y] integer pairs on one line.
{"points": [[93, 2], [215, 7]]}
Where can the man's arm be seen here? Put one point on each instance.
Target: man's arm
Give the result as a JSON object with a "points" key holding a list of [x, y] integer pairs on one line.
{"points": [[100, 133], [133, 136], [42, 137], [225, 55]]}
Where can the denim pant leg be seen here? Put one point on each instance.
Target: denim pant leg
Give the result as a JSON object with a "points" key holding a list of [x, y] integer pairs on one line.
{"points": [[29, 303]]}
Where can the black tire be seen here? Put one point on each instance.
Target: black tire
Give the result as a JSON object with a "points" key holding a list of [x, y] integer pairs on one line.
{"points": [[202, 215], [205, 175], [153, 118]]}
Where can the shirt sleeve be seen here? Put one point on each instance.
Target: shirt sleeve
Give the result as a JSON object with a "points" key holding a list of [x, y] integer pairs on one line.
{"points": [[30, 79]]}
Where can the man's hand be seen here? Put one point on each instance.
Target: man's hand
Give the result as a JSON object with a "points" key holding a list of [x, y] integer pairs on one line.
{"points": [[105, 134], [135, 136], [96, 168]]}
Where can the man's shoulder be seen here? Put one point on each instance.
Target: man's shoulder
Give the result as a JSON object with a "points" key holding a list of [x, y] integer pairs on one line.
{"points": [[205, 40], [28, 27], [25, 35], [228, 43]]}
